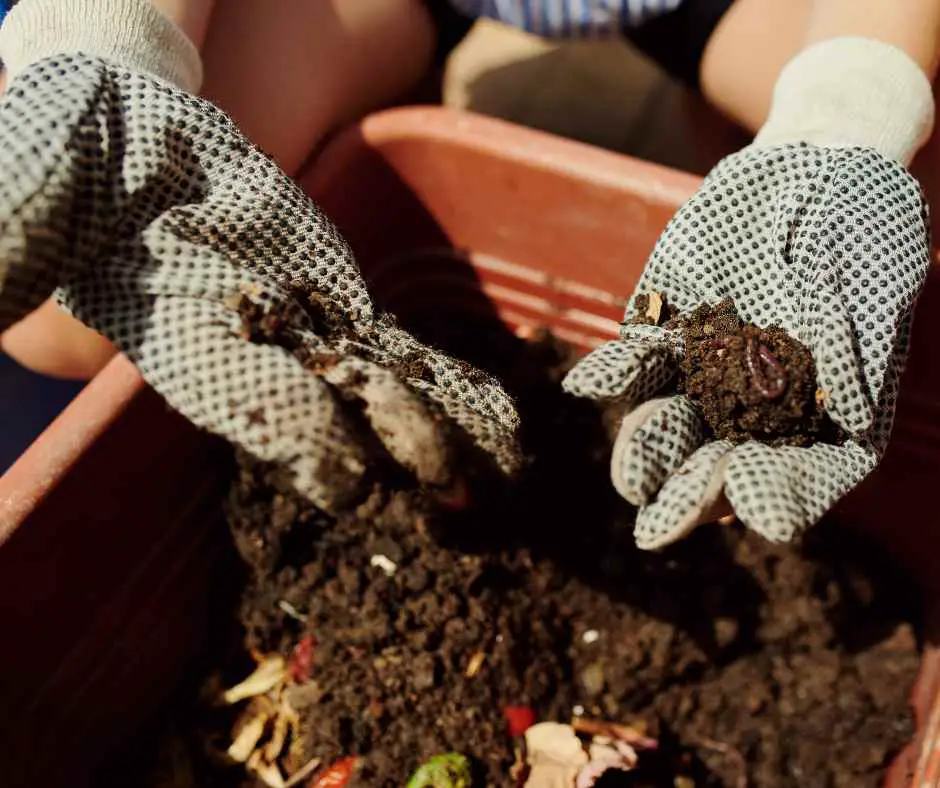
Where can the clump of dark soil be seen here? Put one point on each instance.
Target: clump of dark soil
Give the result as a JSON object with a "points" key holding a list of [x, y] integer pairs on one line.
{"points": [[750, 383], [792, 667], [779, 666]]}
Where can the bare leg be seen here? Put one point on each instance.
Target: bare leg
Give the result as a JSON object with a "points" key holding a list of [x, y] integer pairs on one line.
{"points": [[51, 342], [746, 53]]}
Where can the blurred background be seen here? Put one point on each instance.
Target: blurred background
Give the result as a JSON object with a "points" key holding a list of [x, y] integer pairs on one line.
{"points": [[602, 93]]}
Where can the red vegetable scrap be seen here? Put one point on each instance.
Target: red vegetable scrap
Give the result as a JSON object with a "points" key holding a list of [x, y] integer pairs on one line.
{"points": [[457, 498], [338, 775], [518, 719], [301, 660]]}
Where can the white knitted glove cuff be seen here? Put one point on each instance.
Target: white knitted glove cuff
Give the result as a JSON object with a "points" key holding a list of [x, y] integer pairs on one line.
{"points": [[132, 33], [851, 92]]}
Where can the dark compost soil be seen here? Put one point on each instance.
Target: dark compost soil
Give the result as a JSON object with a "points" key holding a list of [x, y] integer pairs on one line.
{"points": [[796, 660]]}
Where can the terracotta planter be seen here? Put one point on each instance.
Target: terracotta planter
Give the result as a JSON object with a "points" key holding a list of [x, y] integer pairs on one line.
{"points": [[107, 523]]}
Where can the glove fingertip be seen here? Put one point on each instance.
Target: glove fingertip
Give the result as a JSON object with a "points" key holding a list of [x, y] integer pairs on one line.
{"points": [[652, 442], [686, 500], [625, 467], [631, 370], [781, 492]]}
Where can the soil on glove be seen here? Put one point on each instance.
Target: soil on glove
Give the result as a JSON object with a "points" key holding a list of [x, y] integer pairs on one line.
{"points": [[781, 666], [750, 383]]}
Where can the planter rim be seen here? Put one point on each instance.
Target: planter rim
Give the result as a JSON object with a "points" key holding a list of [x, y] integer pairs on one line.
{"points": [[503, 140], [62, 444]]}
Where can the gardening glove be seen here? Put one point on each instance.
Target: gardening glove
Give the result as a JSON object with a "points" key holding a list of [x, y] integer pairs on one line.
{"points": [[816, 227], [158, 224]]}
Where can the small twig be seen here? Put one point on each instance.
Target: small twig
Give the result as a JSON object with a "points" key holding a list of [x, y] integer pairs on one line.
{"points": [[614, 730], [302, 773], [291, 611], [474, 665]]}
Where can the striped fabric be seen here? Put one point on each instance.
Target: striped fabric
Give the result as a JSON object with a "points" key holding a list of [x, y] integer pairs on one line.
{"points": [[568, 18]]}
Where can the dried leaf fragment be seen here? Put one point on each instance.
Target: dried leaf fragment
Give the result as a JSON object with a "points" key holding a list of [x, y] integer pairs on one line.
{"points": [[269, 673], [291, 611], [654, 307], [302, 773], [248, 737], [555, 755], [285, 720], [384, 563], [268, 773], [605, 754], [474, 665]]}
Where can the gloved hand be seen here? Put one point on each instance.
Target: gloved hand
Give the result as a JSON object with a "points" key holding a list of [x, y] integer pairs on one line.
{"points": [[815, 227], [163, 228]]}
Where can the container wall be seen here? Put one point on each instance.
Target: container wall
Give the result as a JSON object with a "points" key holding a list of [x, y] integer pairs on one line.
{"points": [[110, 537]]}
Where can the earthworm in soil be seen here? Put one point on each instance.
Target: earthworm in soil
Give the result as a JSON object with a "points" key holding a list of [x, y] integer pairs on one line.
{"points": [[755, 355]]}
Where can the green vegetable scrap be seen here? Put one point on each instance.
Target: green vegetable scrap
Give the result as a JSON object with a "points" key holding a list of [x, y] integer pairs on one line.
{"points": [[442, 771]]}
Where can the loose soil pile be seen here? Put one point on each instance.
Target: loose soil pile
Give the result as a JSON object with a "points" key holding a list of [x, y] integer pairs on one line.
{"points": [[779, 666]]}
